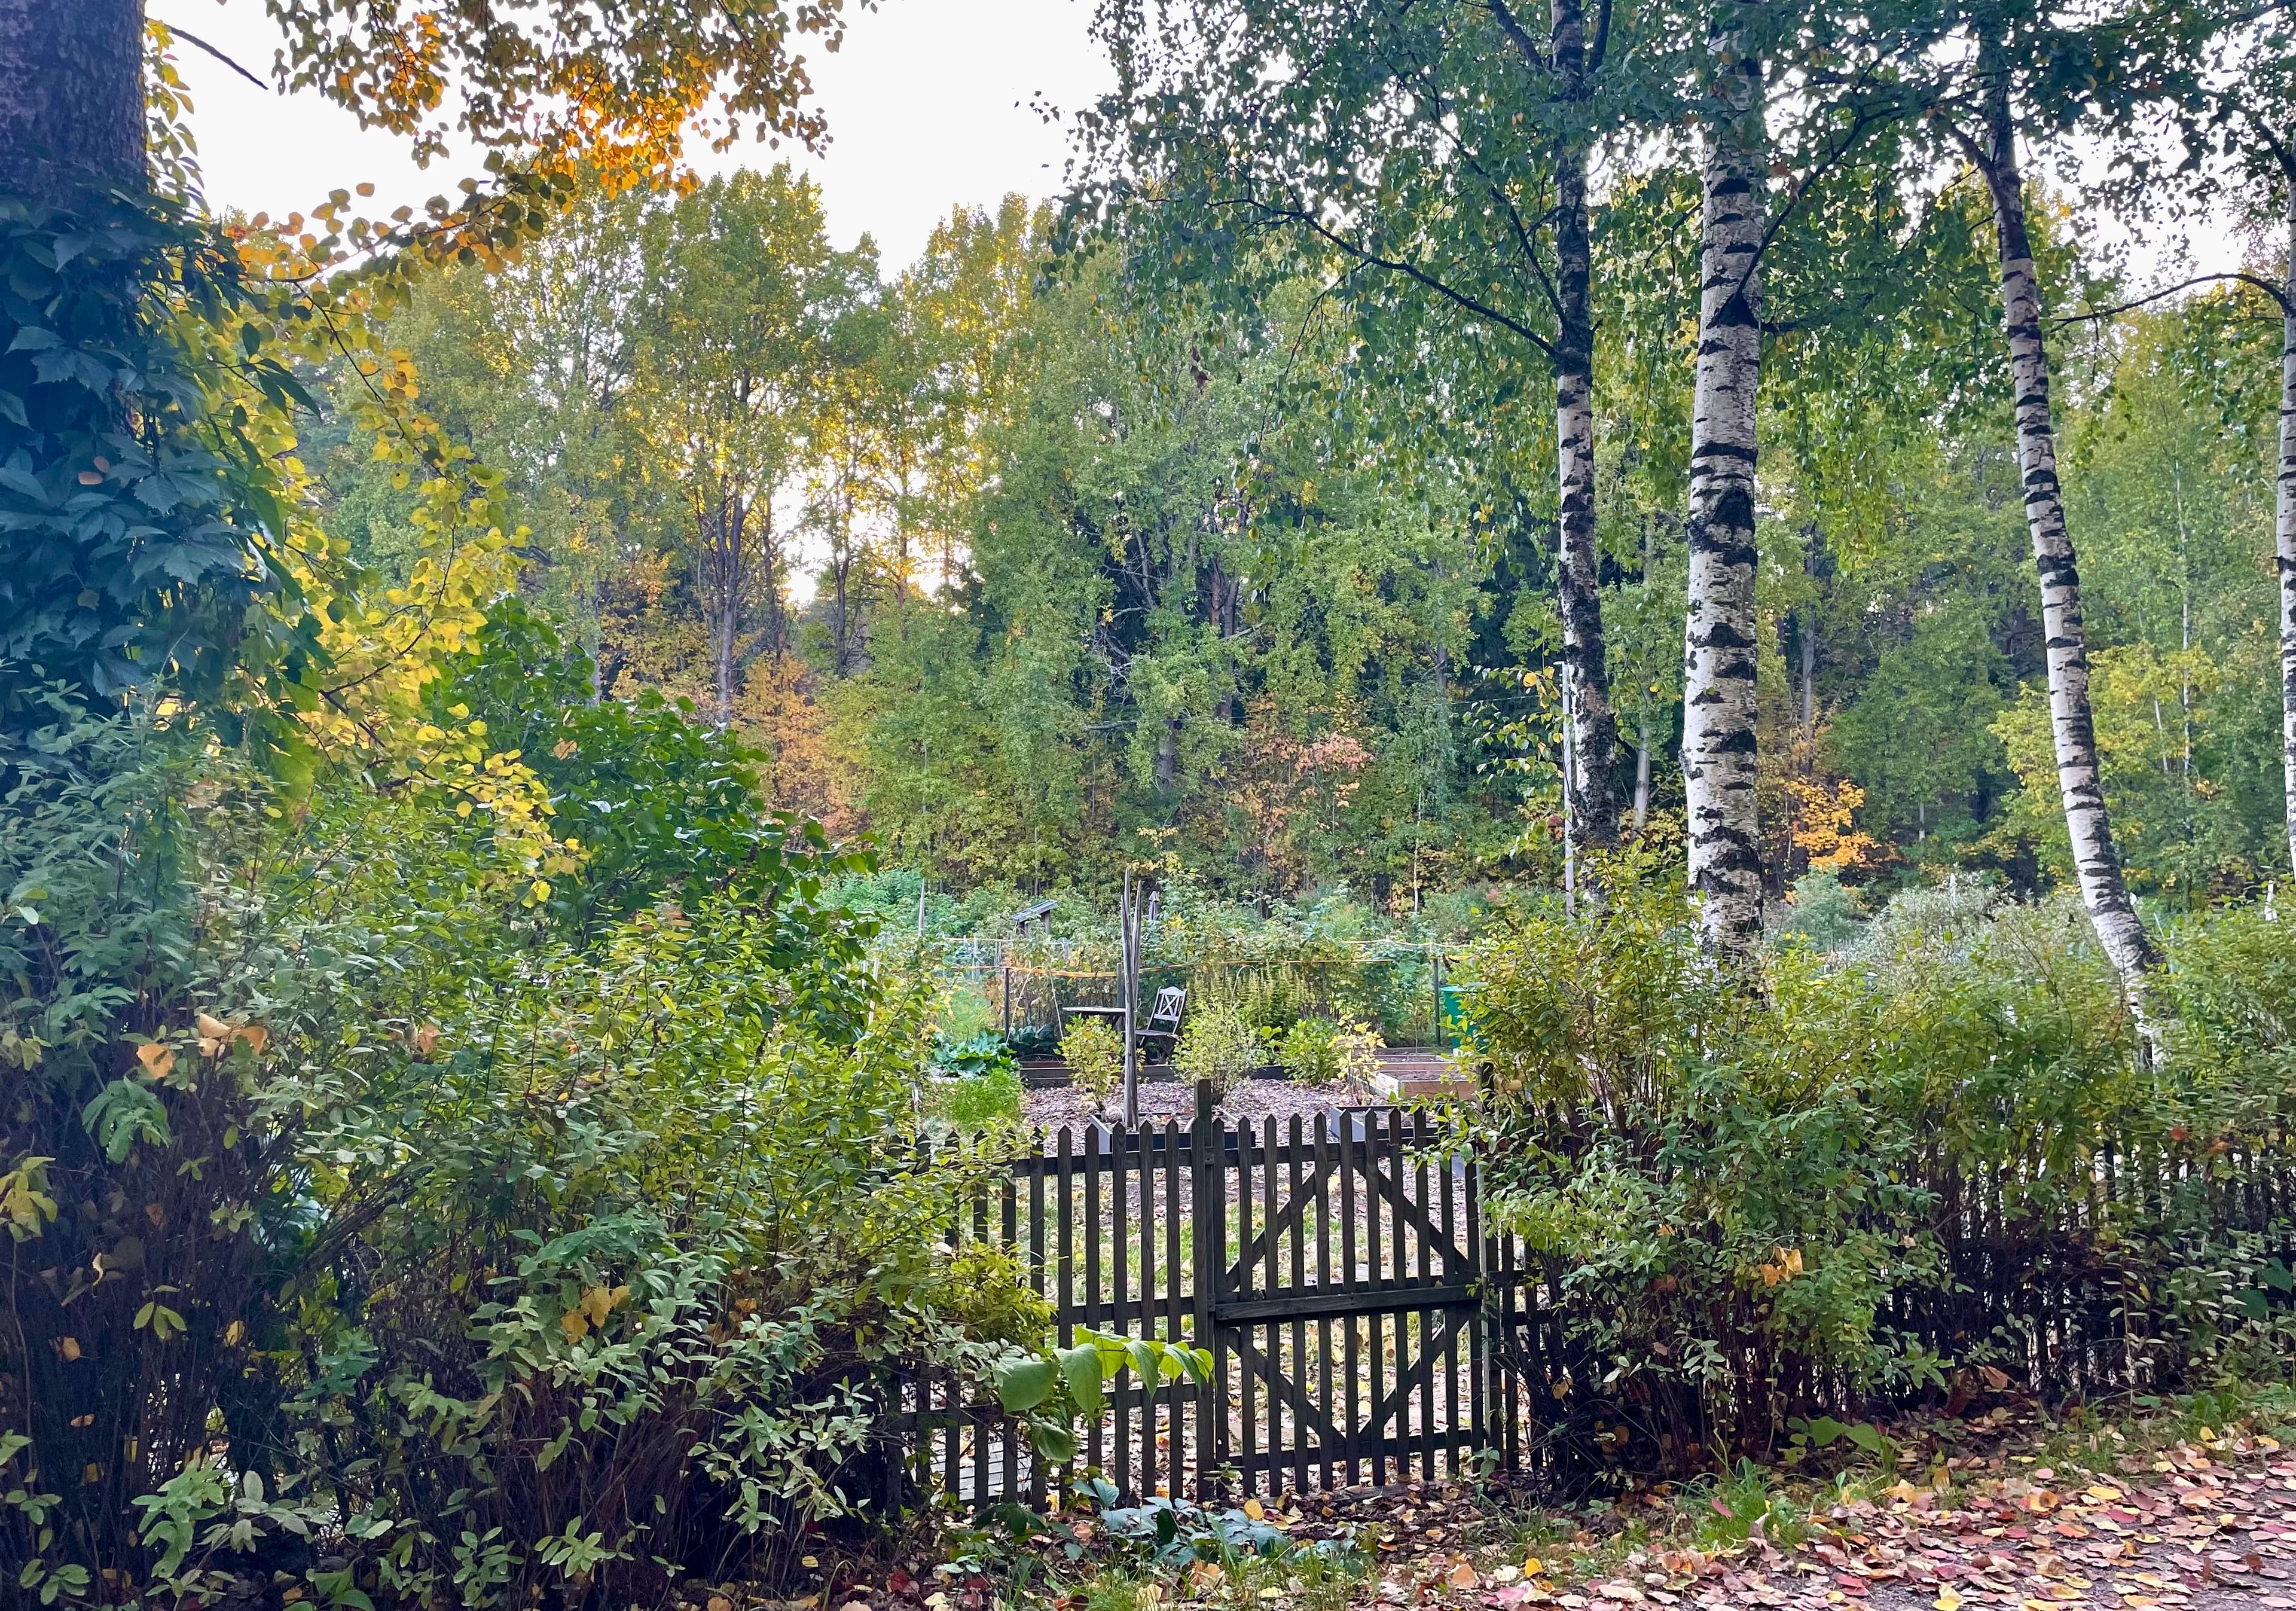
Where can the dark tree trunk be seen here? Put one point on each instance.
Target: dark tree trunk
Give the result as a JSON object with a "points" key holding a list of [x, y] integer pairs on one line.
{"points": [[71, 96], [1594, 802]]}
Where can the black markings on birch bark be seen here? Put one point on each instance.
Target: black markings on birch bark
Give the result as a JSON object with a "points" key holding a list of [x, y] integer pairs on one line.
{"points": [[1718, 696], [1594, 802], [2096, 864], [2284, 528]]}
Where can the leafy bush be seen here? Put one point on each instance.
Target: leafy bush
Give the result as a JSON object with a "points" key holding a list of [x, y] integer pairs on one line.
{"points": [[537, 1253], [1825, 915], [1220, 1045], [1093, 1050], [1309, 1052], [1737, 1193], [660, 806], [1354, 1054]]}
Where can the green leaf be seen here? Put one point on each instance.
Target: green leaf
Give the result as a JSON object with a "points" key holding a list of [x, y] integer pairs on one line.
{"points": [[1147, 1363], [1052, 1441], [1081, 1367], [1022, 1385]]}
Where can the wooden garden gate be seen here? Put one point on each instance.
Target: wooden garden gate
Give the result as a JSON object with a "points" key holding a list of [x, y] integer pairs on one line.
{"points": [[1335, 1268]]}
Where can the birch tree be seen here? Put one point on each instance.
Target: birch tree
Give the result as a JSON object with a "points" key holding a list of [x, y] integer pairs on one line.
{"points": [[1718, 740], [1984, 123], [1429, 165]]}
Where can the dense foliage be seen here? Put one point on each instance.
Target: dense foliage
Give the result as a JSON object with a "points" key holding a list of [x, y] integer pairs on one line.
{"points": [[1088, 566], [1745, 1200], [457, 1109], [527, 1241]]}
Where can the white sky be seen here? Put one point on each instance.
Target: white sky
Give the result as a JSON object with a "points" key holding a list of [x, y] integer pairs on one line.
{"points": [[929, 106]]}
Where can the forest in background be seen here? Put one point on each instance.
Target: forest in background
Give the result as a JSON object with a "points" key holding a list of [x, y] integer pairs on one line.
{"points": [[1025, 566]]}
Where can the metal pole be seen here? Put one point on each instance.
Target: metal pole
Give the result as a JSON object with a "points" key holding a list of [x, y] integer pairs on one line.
{"points": [[1435, 971]]}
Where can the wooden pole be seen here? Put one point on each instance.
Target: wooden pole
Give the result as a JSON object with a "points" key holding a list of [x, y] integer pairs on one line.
{"points": [[1128, 981]]}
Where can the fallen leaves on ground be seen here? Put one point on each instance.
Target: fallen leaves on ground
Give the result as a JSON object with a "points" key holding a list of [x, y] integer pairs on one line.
{"points": [[2212, 1525]]}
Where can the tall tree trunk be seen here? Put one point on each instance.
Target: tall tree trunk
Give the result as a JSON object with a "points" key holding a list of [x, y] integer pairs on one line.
{"points": [[1643, 775], [2285, 526], [769, 561], [71, 96], [1808, 646], [723, 549], [1718, 703], [2079, 779], [1594, 803]]}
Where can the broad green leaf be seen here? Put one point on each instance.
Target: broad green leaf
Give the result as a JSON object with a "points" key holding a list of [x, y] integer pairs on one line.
{"points": [[1081, 1367], [1022, 1385]]}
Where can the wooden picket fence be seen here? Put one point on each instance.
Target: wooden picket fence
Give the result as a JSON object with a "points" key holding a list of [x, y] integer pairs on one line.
{"points": [[1330, 1266], [1366, 1323]]}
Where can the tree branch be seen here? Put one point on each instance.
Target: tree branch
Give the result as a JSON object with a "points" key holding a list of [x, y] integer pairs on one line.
{"points": [[1516, 31], [2276, 292], [1410, 271], [187, 34]]}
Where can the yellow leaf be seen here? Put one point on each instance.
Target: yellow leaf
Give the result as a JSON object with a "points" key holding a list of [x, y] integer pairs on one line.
{"points": [[425, 1039], [232, 1333], [1463, 1576], [256, 1036], [212, 1028], [574, 1324], [158, 1060], [1946, 1599], [1254, 1509], [69, 1348], [1532, 1566]]}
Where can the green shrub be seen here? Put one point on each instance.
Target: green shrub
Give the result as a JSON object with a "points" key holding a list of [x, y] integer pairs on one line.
{"points": [[1309, 1052], [1734, 1188], [1825, 915], [523, 1251], [1219, 1044], [980, 1101], [1093, 1050]]}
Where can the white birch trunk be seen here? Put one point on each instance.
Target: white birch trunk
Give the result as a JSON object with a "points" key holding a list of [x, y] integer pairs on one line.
{"points": [[1594, 806], [2286, 528], [1719, 705], [2079, 778]]}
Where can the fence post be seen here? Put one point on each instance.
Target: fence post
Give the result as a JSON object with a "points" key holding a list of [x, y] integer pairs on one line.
{"points": [[1207, 1253]]}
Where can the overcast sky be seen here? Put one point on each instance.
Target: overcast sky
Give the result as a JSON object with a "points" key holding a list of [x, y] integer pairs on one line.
{"points": [[929, 106]]}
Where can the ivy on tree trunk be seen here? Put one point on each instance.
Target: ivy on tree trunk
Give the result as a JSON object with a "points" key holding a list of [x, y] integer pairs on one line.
{"points": [[2286, 527]]}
